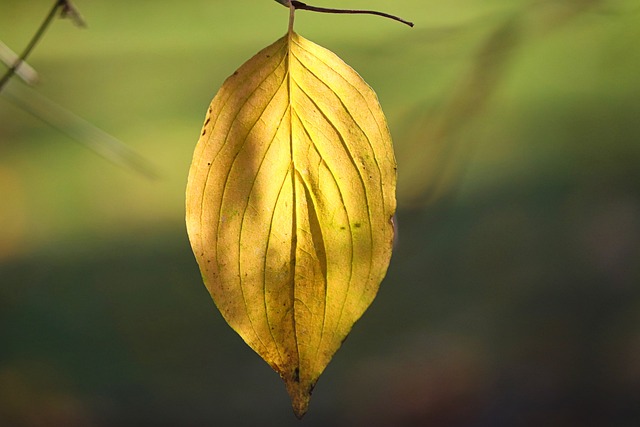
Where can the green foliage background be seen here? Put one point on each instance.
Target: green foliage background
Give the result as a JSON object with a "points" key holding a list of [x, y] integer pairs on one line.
{"points": [[512, 297]]}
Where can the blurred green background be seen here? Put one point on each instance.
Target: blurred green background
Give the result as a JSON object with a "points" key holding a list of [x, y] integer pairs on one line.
{"points": [[513, 296]]}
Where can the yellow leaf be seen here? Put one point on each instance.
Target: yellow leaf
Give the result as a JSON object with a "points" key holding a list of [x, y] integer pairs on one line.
{"points": [[289, 205]]}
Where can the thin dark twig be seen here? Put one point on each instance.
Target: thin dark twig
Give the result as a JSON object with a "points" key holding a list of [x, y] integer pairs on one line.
{"points": [[32, 44], [304, 6]]}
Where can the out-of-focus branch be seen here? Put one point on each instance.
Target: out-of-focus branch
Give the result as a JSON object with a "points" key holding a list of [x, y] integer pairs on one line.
{"points": [[437, 162], [24, 70], [55, 115], [79, 129], [67, 10]]}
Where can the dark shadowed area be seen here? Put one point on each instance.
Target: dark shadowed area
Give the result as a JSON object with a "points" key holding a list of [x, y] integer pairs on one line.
{"points": [[513, 295]]}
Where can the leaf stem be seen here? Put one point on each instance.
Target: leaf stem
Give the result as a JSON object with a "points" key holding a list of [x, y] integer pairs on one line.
{"points": [[292, 15], [303, 6]]}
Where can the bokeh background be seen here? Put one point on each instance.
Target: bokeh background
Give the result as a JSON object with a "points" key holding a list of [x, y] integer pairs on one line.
{"points": [[513, 296]]}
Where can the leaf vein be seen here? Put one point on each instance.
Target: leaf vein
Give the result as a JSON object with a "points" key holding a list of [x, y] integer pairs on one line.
{"points": [[244, 214], [364, 187], [362, 96], [343, 204], [269, 234], [224, 191]]}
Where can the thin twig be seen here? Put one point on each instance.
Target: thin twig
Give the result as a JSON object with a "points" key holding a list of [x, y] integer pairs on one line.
{"points": [[303, 6], [32, 44]]}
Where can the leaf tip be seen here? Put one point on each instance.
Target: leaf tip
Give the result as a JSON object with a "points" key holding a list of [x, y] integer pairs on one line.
{"points": [[300, 402], [300, 394], [300, 411]]}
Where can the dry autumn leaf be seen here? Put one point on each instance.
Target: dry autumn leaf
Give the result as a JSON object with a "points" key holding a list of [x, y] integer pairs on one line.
{"points": [[289, 207]]}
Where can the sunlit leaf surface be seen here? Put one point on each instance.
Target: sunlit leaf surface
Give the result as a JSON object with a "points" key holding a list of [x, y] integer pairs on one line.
{"points": [[289, 205]]}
